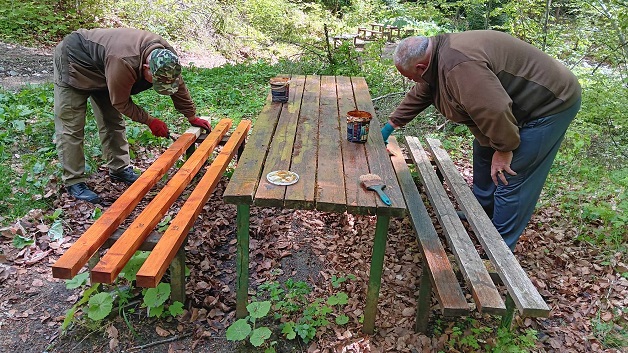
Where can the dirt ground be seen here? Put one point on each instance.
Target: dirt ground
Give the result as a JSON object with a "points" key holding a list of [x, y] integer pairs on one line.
{"points": [[584, 292]]}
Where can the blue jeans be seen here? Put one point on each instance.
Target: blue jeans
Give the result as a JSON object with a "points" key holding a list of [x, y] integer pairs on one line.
{"points": [[511, 206]]}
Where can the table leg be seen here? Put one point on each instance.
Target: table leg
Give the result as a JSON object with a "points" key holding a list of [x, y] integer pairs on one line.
{"points": [[375, 276], [242, 260]]}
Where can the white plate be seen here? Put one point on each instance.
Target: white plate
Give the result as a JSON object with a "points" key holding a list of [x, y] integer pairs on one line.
{"points": [[282, 177]]}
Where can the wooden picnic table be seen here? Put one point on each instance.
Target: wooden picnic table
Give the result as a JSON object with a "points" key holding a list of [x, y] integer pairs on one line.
{"points": [[307, 135]]}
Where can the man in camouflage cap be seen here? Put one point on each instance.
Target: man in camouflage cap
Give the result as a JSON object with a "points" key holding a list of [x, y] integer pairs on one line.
{"points": [[108, 66]]}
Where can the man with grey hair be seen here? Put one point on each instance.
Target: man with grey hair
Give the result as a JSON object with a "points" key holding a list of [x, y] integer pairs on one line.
{"points": [[517, 101], [108, 66]]}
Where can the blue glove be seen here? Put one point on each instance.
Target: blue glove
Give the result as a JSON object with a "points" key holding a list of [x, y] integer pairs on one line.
{"points": [[386, 131]]}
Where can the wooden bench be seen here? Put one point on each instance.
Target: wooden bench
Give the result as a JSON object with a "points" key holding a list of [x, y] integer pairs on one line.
{"points": [[439, 275], [124, 243]]}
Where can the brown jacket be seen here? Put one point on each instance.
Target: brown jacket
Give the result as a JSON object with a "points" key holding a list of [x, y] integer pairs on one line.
{"points": [[111, 59], [491, 82]]}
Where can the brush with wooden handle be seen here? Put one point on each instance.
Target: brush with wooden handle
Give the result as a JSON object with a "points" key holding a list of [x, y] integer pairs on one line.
{"points": [[375, 183]]}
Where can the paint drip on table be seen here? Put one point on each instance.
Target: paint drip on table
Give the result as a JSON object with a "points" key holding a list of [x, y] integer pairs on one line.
{"points": [[358, 122]]}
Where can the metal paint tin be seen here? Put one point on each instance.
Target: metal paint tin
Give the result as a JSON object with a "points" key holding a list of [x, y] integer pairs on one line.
{"points": [[280, 88], [358, 122]]}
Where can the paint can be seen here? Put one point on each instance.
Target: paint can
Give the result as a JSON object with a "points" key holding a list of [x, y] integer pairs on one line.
{"points": [[280, 88], [358, 122]]}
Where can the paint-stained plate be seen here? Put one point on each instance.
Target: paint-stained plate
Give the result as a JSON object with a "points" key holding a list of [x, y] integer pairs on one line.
{"points": [[282, 177]]}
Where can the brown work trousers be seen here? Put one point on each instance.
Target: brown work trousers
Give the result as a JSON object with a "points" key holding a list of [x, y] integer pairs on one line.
{"points": [[70, 109]]}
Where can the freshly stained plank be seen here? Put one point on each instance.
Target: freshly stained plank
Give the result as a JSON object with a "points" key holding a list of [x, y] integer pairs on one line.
{"points": [[116, 258], [526, 296], [485, 294], [280, 152], [166, 249], [330, 186], [304, 151], [377, 157], [359, 201], [241, 187], [443, 279], [86, 246]]}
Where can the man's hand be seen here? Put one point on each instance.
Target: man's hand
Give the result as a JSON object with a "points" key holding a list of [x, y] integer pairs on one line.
{"points": [[387, 130], [500, 164], [158, 128], [202, 123]]}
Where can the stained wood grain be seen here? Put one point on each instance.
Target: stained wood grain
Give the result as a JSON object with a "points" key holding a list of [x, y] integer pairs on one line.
{"points": [[245, 178], [377, 157], [119, 254], [330, 188], [525, 295], [359, 200], [157, 263], [86, 246], [483, 290], [305, 149], [444, 282], [279, 155]]}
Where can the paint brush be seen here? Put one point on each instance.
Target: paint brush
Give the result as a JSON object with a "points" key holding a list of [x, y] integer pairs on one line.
{"points": [[375, 183]]}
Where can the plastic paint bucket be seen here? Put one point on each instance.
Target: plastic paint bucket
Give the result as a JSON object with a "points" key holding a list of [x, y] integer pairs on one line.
{"points": [[358, 122], [279, 88]]}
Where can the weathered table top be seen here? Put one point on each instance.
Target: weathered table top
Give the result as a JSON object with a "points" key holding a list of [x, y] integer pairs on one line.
{"points": [[308, 135]]}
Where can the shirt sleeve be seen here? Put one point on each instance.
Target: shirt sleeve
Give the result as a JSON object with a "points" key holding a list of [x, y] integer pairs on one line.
{"points": [[415, 101], [120, 80], [482, 96]]}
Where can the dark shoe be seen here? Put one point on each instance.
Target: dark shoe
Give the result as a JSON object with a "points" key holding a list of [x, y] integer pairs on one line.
{"points": [[126, 175], [82, 192]]}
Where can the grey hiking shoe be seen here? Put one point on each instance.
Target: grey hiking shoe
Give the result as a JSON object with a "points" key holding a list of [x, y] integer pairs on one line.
{"points": [[126, 175], [82, 192]]}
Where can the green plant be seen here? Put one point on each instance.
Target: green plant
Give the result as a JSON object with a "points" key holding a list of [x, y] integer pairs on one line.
{"points": [[292, 312], [98, 304]]}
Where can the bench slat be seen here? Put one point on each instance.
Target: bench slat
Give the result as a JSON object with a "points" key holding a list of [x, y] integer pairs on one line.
{"points": [[241, 187], [156, 264], [97, 234], [301, 195], [442, 276], [485, 294], [267, 194], [526, 296], [330, 184], [119, 254]]}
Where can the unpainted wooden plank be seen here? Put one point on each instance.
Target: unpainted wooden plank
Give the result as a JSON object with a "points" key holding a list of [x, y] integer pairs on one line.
{"points": [[243, 182], [304, 151], [359, 201], [443, 279], [485, 294], [330, 185], [376, 154], [119, 254], [279, 155], [75, 257], [526, 296], [157, 263]]}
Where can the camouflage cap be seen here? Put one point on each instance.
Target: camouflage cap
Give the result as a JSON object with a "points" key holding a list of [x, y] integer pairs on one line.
{"points": [[166, 70]]}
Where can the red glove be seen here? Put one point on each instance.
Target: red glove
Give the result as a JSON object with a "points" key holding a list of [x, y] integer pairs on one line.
{"points": [[158, 128], [198, 122]]}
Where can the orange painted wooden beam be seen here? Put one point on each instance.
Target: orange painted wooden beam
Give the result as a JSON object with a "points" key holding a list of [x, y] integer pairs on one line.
{"points": [[84, 248], [156, 264], [119, 254]]}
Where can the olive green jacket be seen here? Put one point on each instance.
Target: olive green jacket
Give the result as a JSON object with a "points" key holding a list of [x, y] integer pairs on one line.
{"points": [[111, 59], [491, 82]]}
